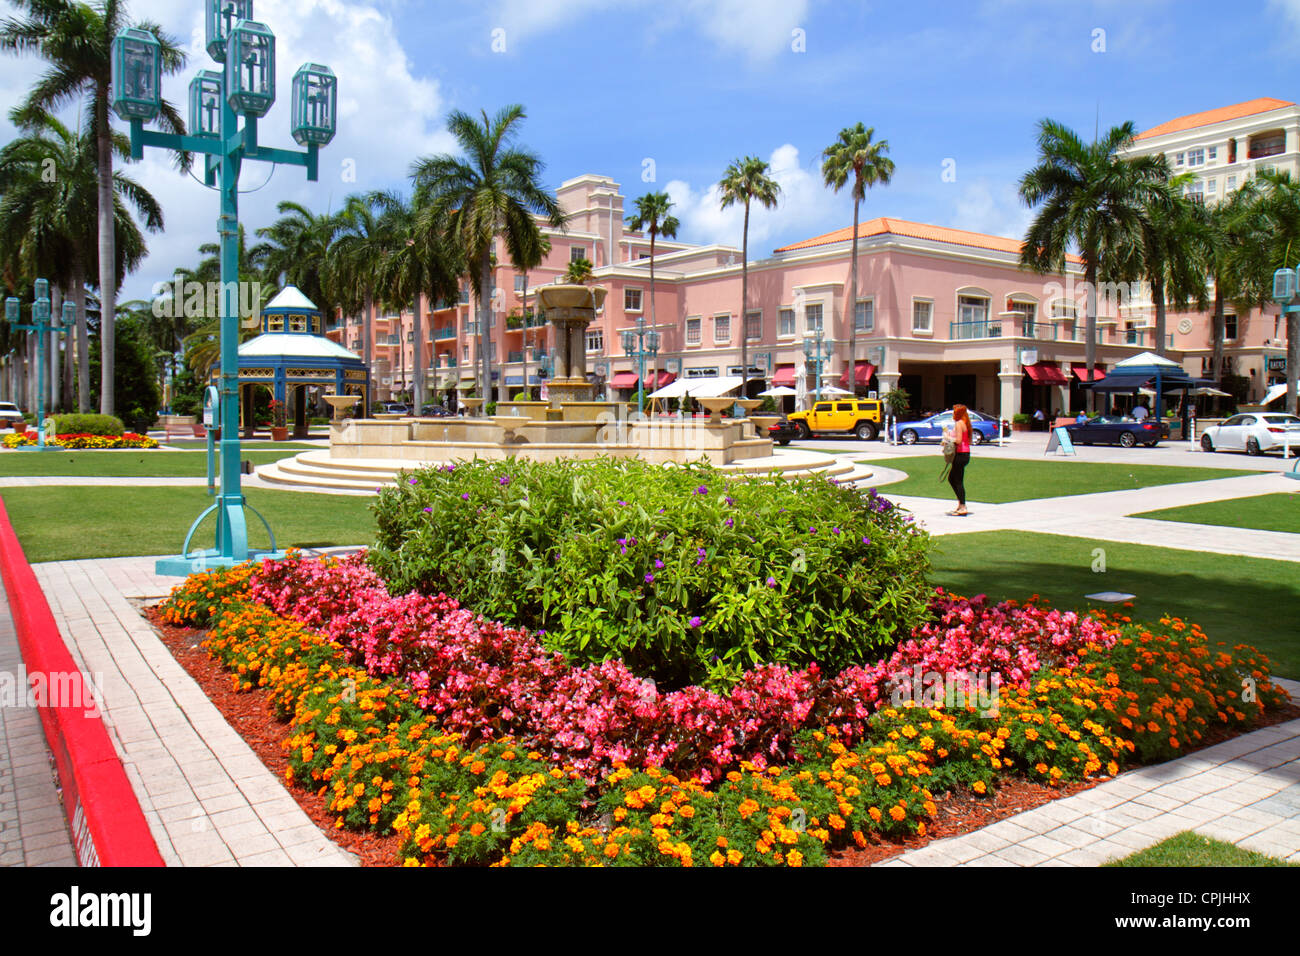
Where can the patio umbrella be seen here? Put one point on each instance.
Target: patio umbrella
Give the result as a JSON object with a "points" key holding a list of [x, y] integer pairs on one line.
{"points": [[779, 392], [832, 391], [801, 386], [1207, 390]]}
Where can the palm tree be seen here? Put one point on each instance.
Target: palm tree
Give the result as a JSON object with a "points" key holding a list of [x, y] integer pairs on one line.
{"points": [[854, 153], [1090, 198], [297, 252], [1280, 205], [49, 181], [496, 191], [745, 181], [75, 39], [535, 259], [354, 256], [652, 217], [417, 266], [203, 344]]}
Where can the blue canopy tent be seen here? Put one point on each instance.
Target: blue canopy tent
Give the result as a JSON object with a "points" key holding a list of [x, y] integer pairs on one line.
{"points": [[1146, 368]]}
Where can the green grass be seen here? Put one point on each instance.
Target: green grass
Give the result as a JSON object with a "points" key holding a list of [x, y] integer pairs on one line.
{"points": [[1275, 512], [143, 463], [1235, 599], [62, 523], [1191, 849], [998, 480]]}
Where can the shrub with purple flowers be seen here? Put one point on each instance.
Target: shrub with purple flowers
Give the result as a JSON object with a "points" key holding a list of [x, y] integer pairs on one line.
{"points": [[688, 575]]}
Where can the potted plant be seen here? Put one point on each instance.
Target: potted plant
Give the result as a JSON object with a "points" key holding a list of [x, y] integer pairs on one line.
{"points": [[279, 426], [1021, 422]]}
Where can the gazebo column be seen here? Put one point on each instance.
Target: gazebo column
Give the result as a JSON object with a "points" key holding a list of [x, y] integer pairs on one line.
{"points": [[246, 410], [300, 411]]}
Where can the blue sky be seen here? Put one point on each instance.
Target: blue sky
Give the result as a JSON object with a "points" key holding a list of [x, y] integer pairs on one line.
{"points": [[691, 85]]}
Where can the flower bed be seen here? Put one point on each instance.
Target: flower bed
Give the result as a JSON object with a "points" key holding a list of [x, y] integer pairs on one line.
{"points": [[686, 575], [476, 746], [74, 441]]}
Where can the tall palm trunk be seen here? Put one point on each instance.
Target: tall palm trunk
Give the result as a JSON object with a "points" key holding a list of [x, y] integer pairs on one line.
{"points": [[484, 333], [1158, 296], [1090, 327], [83, 338], [1216, 332], [853, 305], [1292, 359], [53, 390], [417, 360], [107, 256], [655, 376], [744, 300]]}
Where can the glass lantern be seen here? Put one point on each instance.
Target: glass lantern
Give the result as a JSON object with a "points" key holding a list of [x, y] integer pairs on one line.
{"points": [[137, 72], [315, 104], [652, 342], [629, 342], [13, 310], [205, 104], [250, 68], [1284, 281], [69, 314], [220, 17]]}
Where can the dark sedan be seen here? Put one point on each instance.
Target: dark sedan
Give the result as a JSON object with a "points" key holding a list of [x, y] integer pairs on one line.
{"points": [[1114, 430], [783, 431]]}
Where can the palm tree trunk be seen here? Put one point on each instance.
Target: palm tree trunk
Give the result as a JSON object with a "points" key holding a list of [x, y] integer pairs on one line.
{"points": [[107, 253], [744, 299], [417, 369], [367, 348], [1090, 326], [655, 377], [1158, 295], [853, 305], [83, 338], [1216, 333], [52, 350], [484, 332], [1292, 359]]}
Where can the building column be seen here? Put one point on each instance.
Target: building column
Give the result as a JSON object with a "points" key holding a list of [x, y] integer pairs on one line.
{"points": [[1009, 384]]}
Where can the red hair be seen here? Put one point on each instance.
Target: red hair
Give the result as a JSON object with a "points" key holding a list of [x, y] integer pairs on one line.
{"points": [[959, 414]]}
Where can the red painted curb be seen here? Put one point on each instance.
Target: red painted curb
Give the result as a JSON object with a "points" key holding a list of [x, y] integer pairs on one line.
{"points": [[108, 826]]}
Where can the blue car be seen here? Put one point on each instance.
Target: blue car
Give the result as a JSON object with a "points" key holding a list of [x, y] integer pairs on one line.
{"points": [[931, 429]]}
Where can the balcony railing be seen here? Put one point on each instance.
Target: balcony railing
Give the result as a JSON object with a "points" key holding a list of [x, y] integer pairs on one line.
{"points": [[446, 332], [514, 358], [979, 329], [1061, 330]]}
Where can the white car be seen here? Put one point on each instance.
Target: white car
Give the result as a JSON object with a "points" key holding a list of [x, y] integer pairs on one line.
{"points": [[9, 414], [1254, 433]]}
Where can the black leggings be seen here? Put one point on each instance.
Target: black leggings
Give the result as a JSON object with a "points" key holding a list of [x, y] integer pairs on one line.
{"points": [[957, 476]]}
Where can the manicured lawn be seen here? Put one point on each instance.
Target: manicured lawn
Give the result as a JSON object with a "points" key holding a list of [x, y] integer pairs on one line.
{"points": [[1276, 512], [145, 463], [997, 480], [1191, 849], [58, 524], [1235, 599]]}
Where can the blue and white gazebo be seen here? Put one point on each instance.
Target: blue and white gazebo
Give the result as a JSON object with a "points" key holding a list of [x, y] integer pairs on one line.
{"points": [[292, 357]]}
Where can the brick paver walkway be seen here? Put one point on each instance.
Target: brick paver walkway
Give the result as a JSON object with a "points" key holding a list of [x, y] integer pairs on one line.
{"points": [[209, 800], [1244, 791], [33, 825]]}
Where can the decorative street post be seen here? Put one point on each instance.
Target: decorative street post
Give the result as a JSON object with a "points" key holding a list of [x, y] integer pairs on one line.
{"points": [[641, 343], [813, 346], [42, 327], [1286, 293], [216, 100]]}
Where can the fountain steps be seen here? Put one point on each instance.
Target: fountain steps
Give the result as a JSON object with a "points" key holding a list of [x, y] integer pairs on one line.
{"points": [[316, 470]]}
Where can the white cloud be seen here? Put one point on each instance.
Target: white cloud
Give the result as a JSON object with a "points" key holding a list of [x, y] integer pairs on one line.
{"points": [[758, 29], [388, 116], [986, 206], [805, 206]]}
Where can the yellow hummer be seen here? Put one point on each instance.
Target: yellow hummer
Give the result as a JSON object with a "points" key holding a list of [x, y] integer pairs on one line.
{"points": [[861, 416]]}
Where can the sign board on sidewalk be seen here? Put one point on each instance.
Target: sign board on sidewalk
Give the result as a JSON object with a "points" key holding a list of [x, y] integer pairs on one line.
{"points": [[1060, 442]]}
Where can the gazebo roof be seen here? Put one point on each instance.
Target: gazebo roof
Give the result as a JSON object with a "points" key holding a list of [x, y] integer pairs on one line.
{"points": [[289, 345], [291, 298]]}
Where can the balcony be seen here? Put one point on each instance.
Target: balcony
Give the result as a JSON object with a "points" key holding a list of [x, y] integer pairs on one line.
{"points": [[978, 329], [514, 358], [447, 332]]}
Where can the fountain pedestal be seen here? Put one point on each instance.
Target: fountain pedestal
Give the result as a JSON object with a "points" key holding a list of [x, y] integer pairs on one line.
{"points": [[570, 309]]}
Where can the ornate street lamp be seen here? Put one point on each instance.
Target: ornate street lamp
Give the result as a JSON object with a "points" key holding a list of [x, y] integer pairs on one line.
{"points": [[813, 348], [641, 343], [41, 326], [1286, 290], [217, 100], [137, 69]]}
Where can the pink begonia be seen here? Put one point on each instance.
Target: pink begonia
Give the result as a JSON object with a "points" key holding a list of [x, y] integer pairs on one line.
{"points": [[483, 679]]}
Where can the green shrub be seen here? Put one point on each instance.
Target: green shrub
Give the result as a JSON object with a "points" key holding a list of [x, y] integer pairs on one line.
{"points": [[88, 425], [686, 575], [1021, 418]]}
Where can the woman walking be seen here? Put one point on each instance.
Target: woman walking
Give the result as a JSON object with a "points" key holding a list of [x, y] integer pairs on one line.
{"points": [[960, 435]]}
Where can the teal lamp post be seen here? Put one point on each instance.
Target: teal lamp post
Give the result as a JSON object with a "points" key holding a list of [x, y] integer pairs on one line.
{"points": [[40, 324], [641, 343], [813, 349], [1286, 293], [217, 100]]}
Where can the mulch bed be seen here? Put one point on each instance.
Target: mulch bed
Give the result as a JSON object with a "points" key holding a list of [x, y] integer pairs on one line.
{"points": [[248, 713]]}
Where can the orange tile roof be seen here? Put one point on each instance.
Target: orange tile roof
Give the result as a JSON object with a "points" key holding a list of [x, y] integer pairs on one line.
{"points": [[1222, 114], [916, 230]]}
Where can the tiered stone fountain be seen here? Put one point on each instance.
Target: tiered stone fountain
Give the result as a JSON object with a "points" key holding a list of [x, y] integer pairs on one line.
{"points": [[366, 452]]}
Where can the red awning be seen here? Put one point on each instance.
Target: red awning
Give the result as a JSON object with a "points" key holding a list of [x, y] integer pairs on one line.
{"points": [[624, 380], [784, 376], [1081, 373], [664, 379], [865, 371], [1046, 373]]}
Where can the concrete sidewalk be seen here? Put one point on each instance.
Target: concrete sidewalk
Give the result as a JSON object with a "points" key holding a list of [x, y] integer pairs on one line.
{"points": [[33, 824]]}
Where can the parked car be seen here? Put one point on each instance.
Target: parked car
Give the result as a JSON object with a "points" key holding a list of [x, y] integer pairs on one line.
{"points": [[10, 415], [1254, 433], [1117, 430], [860, 416], [435, 411], [931, 429], [783, 431]]}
